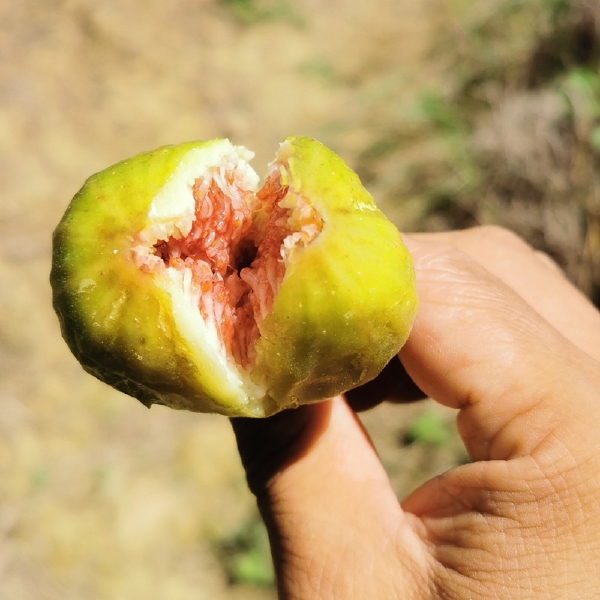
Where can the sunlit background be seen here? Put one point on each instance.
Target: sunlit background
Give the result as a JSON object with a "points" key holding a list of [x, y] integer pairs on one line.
{"points": [[453, 112]]}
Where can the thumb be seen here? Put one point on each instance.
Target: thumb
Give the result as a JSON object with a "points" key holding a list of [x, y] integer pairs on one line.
{"points": [[325, 499]]}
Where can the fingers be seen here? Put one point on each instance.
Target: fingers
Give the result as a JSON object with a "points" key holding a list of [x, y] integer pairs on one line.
{"points": [[534, 277], [487, 340], [478, 346], [325, 498], [267, 446]]}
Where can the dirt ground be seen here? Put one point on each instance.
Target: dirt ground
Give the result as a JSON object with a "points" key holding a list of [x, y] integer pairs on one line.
{"points": [[101, 498]]}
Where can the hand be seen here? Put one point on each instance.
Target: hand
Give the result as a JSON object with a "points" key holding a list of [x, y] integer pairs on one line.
{"points": [[505, 339]]}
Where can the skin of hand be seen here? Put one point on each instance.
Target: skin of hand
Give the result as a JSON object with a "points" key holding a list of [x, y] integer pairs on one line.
{"points": [[505, 339]]}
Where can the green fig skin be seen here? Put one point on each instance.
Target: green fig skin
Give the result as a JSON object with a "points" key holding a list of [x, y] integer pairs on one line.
{"points": [[348, 299], [116, 321], [343, 310]]}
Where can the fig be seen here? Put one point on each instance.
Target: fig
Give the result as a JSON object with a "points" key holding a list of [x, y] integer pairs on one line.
{"points": [[179, 281]]}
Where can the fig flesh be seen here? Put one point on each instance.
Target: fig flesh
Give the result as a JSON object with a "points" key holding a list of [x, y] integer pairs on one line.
{"points": [[179, 281]]}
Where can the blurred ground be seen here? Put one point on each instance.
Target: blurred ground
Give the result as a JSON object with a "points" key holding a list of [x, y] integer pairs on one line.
{"points": [[99, 497]]}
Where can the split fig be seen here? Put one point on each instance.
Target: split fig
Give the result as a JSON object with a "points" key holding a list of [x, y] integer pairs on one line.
{"points": [[178, 280]]}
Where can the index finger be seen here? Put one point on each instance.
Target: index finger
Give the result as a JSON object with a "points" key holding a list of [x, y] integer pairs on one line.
{"points": [[533, 276], [478, 346]]}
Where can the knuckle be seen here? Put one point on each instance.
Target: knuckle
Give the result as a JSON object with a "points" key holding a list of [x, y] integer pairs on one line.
{"points": [[500, 236]]}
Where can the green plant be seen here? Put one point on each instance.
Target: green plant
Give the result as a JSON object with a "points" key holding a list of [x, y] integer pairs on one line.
{"points": [[428, 428], [595, 139], [249, 12], [246, 555], [320, 69]]}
